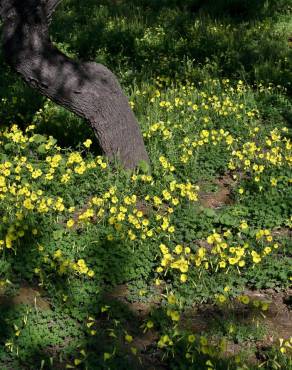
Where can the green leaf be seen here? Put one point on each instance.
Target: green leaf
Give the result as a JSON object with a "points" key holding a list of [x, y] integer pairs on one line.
{"points": [[8, 146], [144, 167], [42, 149], [209, 212], [38, 139]]}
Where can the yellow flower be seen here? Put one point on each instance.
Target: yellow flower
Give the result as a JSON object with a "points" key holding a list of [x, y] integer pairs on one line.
{"points": [[256, 257], [145, 222], [171, 229], [191, 338], [58, 254], [128, 338], [232, 261], [171, 299], [82, 268], [273, 181], [175, 201], [87, 143], [245, 299], [149, 324], [175, 316], [231, 328], [222, 264], [163, 248], [221, 298], [70, 223], [183, 278], [90, 273], [203, 341], [265, 306], [157, 282], [244, 225], [106, 356], [28, 205], [180, 264], [65, 178], [229, 140], [178, 249], [267, 250], [37, 173], [149, 233], [164, 341]]}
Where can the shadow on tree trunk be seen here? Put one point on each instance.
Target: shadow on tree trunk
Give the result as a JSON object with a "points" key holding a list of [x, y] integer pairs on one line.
{"points": [[88, 89]]}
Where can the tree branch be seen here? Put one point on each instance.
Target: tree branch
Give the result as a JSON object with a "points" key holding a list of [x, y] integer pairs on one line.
{"points": [[4, 7], [50, 7]]}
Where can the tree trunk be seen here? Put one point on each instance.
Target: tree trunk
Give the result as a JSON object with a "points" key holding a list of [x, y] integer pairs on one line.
{"points": [[88, 89]]}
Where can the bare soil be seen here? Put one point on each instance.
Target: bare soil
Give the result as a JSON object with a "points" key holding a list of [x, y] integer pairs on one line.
{"points": [[220, 197]]}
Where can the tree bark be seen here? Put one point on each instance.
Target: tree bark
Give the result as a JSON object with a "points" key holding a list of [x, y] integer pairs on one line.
{"points": [[88, 89]]}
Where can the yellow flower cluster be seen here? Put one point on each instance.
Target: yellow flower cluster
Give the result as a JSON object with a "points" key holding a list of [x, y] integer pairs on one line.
{"points": [[18, 188], [164, 341], [254, 158], [66, 164], [180, 259], [128, 220], [64, 265], [166, 164], [224, 251], [285, 345], [245, 299], [204, 137], [161, 129], [231, 250], [181, 98]]}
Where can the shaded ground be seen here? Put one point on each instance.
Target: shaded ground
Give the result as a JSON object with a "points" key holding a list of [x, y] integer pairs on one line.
{"points": [[277, 320], [26, 295], [200, 319], [222, 194]]}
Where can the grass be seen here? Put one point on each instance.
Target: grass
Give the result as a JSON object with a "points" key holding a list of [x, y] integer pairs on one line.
{"points": [[188, 266]]}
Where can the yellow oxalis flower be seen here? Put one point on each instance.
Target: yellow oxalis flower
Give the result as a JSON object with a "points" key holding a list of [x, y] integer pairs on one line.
{"points": [[87, 143]]}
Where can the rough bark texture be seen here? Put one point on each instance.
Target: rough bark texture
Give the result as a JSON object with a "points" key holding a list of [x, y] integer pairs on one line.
{"points": [[88, 89]]}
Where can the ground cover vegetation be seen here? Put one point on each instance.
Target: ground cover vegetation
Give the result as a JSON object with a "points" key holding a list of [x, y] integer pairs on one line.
{"points": [[184, 266]]}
